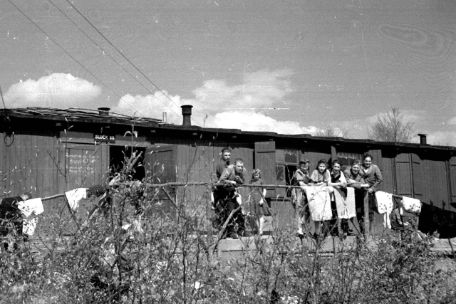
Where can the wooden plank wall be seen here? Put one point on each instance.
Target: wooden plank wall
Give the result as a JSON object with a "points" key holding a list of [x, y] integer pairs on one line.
{"points": [[30, 164], [388, 174], [436, 184], [196, 163], [315, 156]]}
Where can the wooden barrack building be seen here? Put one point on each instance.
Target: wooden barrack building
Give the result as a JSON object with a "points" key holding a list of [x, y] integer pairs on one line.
{"points": [[47, 151]]}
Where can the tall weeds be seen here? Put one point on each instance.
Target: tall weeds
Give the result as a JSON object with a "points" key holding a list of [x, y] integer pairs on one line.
{"points": [[130, 251]]}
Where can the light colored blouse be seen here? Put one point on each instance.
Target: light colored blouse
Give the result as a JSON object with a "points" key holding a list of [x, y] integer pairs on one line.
{"points": [[318, 177]]}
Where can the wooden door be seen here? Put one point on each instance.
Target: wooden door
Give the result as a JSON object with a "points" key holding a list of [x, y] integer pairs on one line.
{"points": [[160, 163], [403, 175], [417, 177], [265, 160]]}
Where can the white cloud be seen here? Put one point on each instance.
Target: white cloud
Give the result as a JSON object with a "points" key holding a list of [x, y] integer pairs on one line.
{"points": [[253, 121], [221, 105], [257, 90], [444, 138], [452, 121], [150, 106], [57, 90]]}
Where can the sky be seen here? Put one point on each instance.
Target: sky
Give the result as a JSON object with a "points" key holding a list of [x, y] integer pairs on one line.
{"points": [[289, 67]]}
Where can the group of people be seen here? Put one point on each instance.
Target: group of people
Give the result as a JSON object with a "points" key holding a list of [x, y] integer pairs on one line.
{"points": [[330, 195], [230, 207], [327, 195]]}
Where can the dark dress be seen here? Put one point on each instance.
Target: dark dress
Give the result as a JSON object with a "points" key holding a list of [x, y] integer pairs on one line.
{"points": [[254, 206]]}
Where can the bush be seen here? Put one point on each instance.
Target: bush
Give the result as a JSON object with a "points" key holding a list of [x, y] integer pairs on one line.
{"points": [[128, 252]]}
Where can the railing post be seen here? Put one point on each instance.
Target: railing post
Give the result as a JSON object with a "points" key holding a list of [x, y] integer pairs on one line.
{"points": [[366, 214]]}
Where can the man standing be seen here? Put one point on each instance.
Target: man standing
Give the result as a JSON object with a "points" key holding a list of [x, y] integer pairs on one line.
{"points": [[224, 162], [231, 178], [216, 194]]}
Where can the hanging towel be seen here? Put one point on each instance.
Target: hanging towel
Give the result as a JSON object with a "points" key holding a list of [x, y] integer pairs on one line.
{"points": [[384, 202], [384, 206], [319, 203], [75, 196], [411, 204], [31, 206], [29, 226], [345, 204]]}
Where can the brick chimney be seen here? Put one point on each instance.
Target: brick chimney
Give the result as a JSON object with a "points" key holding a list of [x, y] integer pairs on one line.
{"points": [[103, 111], [186, 115], [422, 139]]}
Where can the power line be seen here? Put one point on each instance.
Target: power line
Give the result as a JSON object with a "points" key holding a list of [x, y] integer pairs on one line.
{"points": [[62, 48], [99, 47], [119, 51]]}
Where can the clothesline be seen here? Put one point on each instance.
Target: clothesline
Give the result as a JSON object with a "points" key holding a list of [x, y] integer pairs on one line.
{"points": [[178, 184]]}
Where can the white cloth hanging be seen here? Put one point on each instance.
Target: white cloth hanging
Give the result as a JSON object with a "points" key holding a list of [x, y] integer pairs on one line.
{"points": [[385, 205], [345, 204], [29, 226], [319, 203], [31, 206], [411, 204], [75, 196]]}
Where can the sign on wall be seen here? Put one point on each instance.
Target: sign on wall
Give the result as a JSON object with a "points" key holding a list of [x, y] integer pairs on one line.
{"points": [[102, 138]]}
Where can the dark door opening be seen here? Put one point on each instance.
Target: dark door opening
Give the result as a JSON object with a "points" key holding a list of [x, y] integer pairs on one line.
{"points": [[118, 156], [289, 172]]}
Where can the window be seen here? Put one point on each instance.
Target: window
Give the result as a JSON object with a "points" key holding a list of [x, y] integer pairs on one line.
{"points": [[291, 156], [346, 159]]}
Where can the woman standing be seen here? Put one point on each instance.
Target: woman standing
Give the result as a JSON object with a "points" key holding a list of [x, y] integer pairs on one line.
{"points": [[258, 206], [373, 178], [341, 209], [356, 181], [318, 197]]}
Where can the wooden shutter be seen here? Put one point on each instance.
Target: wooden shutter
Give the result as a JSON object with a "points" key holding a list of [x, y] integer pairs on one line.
{"points": [[453, 180], [417, 177], [265, 160], [403, 175], [161, 167], [160, 164]]}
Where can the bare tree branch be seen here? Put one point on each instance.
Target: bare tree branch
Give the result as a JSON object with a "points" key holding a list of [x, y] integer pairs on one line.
{"points": [[392, 127]]}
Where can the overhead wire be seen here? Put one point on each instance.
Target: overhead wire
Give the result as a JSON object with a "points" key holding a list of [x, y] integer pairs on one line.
{"points": [[99, 46], [120, 52], [63, 49]]}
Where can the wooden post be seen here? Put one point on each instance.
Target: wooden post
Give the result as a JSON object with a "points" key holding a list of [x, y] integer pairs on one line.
{"points": [[366, 215], [333, 153]]}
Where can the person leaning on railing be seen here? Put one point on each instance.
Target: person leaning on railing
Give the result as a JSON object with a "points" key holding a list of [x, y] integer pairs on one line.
{"points": [[321, 177], [232, 177], [373, 178], [355, 180]]}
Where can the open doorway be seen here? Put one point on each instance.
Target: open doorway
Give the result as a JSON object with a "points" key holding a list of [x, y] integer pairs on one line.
{"points": [[118, 156], [289, 172]]}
